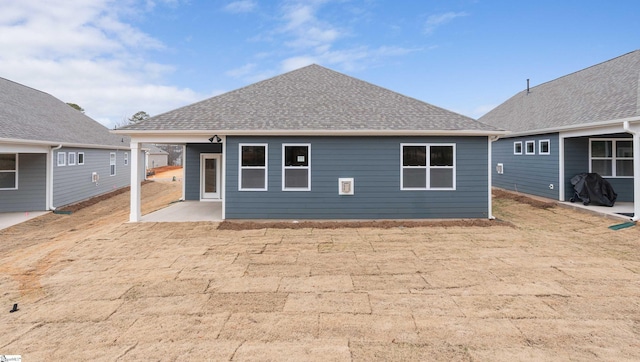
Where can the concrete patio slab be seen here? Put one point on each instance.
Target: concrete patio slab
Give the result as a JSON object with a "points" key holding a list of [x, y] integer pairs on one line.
{"points": [[187, 211], [8, 219]]}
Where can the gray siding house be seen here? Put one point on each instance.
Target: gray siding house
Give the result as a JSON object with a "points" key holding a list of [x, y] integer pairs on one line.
{"points": [[587, 121], [52, 155], [154, 156], [317, 144]]}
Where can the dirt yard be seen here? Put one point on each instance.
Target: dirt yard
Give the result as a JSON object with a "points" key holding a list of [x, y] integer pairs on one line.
{"points": [[546, 283], [166, 172]]}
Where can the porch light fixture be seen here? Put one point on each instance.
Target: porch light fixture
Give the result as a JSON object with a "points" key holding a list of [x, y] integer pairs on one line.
{"points": [[215, 138]]}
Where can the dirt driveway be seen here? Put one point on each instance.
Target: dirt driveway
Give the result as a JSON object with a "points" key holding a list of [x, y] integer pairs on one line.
{"points": [[559, 285]]}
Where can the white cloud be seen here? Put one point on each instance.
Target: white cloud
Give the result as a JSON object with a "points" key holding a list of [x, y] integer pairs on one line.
{"points": [[481, 110], [84, 52], [297, 62], [435, 21], [242, 6], [309, 39], [241, 71]]}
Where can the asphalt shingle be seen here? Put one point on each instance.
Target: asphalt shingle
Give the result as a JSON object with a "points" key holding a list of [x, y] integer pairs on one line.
{"points": [[603, 92], [311, 99], [28, 114]]}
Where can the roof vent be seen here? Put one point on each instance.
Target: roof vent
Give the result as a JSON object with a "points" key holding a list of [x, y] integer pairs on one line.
{"points": [[527, 85]]}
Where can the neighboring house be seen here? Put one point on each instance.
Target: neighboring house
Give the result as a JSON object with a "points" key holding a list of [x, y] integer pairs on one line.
{"points": [[317, 144], [52, 155], [587, 121], [154, 156]]}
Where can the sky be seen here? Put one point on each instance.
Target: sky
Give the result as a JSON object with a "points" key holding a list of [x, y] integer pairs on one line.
{"points": [[117, 57]]}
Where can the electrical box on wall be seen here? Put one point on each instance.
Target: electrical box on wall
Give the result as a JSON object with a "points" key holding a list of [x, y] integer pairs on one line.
{"points": [[345, 186], [95, 177], [500, 168]]}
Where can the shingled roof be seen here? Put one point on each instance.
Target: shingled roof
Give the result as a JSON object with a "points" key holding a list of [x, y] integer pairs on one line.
{"points": [[28, 115], [603, 92], [312, 99]]}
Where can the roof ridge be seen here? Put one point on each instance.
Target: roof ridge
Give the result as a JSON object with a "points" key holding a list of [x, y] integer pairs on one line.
{"points": [[26, 86], [583, 69], [227, 92]]}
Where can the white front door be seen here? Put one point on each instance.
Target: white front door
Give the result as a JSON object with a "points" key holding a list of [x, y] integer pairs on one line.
{"points": [[210, 176]]}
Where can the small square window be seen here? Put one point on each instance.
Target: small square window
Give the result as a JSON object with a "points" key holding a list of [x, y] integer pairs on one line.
{"points": [[530, 148], [62, 158], [126, 158], [544, 147], [517, 148], [80, 158], [72, 158]]}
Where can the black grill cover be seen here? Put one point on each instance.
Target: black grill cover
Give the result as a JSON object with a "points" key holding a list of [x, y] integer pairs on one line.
{"points": [[591, 188]]}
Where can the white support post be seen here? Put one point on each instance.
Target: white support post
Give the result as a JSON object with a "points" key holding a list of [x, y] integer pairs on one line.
{"points": [[636, 176], [135, 183], [634, 130], [561, 167]]}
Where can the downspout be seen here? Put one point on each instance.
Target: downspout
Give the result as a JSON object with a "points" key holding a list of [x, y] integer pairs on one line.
{"points": [[636, 169], [491, 139], [49, 190]]}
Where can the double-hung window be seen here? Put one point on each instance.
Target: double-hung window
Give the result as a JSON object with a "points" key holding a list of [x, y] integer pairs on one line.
{"points": [[112, 164], [253, 167], [8, 171], [428, 167], [296, 167], [611, 157]]}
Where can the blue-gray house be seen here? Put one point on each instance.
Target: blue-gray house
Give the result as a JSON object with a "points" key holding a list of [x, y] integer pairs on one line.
{"points": [[317, 144], [587, 121], [52, 155]]}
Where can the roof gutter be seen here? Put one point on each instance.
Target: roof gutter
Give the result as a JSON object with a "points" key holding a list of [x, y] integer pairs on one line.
{"points": [[344, 133], [593, 125], [49, 190], [19, 141]]}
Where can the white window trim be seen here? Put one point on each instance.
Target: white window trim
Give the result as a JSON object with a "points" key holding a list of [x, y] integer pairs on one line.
{"points": [[126, 158], [526, 148], [15, 172], [540, 142], [613, 158], [265, 167], [308, 168], [428, 168], [62, 156], [69, 159], [115, 161], [80, 153], [514, 148]]}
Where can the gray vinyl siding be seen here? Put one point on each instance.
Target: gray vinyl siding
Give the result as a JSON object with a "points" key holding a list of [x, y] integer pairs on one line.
{"points": [[72, 184], [157, 160], [531, 174], [374, 163], [31, 194], [192, 167], [577, 161]]}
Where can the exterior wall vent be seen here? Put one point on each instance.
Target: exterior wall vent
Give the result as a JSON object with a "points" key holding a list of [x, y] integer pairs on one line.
{"points": [[500, 168], [345, 186]]}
